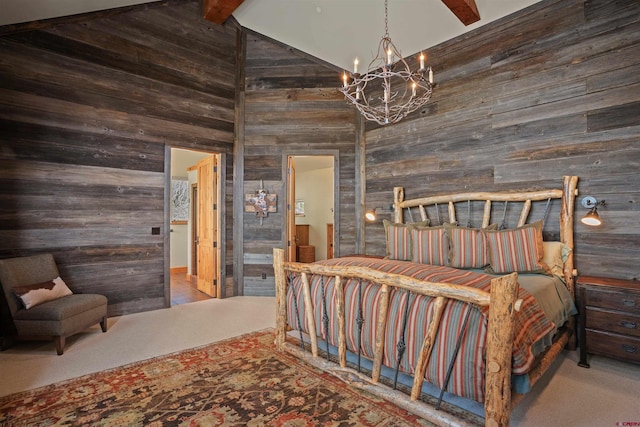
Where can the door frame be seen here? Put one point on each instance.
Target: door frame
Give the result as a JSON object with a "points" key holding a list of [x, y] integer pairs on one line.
{"points": [[222, 173], [194, 228], [289, 206]]}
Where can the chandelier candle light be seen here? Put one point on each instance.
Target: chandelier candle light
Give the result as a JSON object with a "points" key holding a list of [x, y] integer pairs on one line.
{"points": [[389, 90]]}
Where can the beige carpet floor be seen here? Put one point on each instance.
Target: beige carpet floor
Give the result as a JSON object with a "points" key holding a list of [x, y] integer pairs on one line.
{"points": [[607, 394]]}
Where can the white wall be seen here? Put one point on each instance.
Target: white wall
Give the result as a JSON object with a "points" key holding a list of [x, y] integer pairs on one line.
{"points": [[315, 187]]}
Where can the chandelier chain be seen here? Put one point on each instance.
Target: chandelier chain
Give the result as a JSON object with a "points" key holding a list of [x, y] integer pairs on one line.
{"points": [[386, 18]]}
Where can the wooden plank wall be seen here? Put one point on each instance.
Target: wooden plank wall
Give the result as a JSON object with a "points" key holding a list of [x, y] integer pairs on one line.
{"points": [[292, 105], [552, 90], [86, 111]]}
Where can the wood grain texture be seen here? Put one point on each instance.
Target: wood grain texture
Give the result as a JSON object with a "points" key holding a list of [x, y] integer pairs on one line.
{"points": [[500, 333], [465, 10], [219, 10], [551, 90], [88, 107], [291, 107], [517, 102]]}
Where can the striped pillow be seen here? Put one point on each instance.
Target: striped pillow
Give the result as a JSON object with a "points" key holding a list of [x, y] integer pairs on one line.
{"points": [[518, 250], [399, 240], [429, 245], [467, 246]]}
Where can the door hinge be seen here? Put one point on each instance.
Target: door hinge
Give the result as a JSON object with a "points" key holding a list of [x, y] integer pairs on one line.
{"points": [[215, 169], [288, 206], [215, 244], [215, 206], [289, 243], [215, 282]]}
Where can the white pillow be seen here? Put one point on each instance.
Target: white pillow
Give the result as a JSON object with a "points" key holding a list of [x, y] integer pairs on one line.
{"points": [[32, 295], [555, 254]]}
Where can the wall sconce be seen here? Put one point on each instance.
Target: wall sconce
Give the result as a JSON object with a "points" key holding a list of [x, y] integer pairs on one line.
{"points": [[370, 215], [592, 217]]}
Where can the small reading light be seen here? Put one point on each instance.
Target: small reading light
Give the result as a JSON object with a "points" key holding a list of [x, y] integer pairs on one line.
{"points": [[370, 215], [592, 217]]}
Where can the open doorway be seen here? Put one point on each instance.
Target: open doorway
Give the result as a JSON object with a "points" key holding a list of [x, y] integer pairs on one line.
{"points": [[311, 195], [194, 257]]}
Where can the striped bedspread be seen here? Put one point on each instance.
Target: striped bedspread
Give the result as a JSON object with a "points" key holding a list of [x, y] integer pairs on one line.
{"points": [[467, 378]]}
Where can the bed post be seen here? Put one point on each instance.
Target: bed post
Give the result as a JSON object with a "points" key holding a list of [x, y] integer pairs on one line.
{"points": [[398, 197], [381, 327], [500, 333], [569, 193], [281, 297]]}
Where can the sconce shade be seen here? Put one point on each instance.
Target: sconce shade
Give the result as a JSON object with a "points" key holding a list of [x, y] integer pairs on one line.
{"points": [[591, 218], [370, 215]]}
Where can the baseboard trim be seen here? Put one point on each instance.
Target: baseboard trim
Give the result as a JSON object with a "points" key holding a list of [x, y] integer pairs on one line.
{"points": [[178, 270]]}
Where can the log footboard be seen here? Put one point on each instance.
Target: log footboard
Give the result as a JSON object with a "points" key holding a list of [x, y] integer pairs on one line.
{"points": [[502, 302]]}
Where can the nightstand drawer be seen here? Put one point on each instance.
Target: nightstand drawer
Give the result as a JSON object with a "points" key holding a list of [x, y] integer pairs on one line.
{"points": [[614, 345], [611, 321], [615, 300]]}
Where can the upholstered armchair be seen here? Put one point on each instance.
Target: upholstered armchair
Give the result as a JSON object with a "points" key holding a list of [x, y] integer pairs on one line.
{"points": [[40, 304]]}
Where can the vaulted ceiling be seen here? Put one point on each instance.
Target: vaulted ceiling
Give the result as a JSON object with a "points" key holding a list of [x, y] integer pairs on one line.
{"points": [[335, 31]]}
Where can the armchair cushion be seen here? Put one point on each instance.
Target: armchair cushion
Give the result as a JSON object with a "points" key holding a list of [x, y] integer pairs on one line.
{"points": [[32, 295]]}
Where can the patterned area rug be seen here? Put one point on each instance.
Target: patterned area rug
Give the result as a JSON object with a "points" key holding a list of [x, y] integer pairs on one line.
{"points": [[243, 381]]}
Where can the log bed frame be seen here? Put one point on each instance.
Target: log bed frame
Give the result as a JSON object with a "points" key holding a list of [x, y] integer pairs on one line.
{"points": [[502, 301]]}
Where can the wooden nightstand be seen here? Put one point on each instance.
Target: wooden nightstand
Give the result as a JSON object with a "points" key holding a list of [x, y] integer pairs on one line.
{"points": [[609, 318]]}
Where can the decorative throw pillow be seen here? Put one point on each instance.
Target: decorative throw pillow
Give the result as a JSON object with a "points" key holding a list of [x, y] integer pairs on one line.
{"points": [[555, 255], [518, 250], [32, 295], [467, 246], [399, 239], [428, 245]]}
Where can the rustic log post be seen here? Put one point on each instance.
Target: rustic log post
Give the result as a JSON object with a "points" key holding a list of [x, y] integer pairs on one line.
{"points": [[524, 214], [423, 213], [342, 335], [452, 213], [500, 332], [309, 310], [281, 297], [486, 214], [427, 347], [398, 197], [569, 193], [380, 333]]}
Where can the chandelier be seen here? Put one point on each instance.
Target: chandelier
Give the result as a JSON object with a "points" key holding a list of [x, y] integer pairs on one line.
{"points": [[389, 90]]}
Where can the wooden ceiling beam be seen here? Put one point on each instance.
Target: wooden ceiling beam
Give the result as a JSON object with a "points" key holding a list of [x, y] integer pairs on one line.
{"points": [[465, 10], [219, 10]]}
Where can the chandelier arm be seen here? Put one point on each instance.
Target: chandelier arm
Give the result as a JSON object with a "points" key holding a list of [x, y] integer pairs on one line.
{"points": [[389, 90]]}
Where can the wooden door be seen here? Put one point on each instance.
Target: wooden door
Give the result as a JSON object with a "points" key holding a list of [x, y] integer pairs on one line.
{"points": [[329, 241], [291, 210], [207, 227]]}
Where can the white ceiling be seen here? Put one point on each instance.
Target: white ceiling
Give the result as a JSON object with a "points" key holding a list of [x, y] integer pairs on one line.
{"points": [[338, 31], [335, 31]]}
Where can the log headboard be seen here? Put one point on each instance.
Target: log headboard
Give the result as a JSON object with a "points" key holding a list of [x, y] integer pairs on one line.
{"points": [[406, 208]]}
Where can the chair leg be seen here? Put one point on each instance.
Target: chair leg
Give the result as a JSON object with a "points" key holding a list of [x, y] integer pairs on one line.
{"points": [[103, 324], [59, 341]]}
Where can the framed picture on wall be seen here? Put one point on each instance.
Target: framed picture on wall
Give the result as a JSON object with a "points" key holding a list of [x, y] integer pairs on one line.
{"points": [[299, 207], [179, 200]]}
